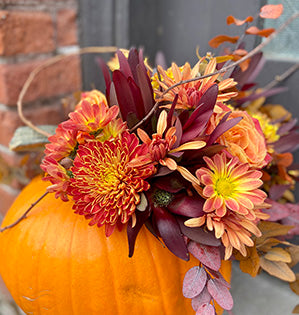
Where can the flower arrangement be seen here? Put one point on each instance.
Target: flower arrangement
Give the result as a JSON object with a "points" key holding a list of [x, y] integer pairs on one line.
{"points": [[193, 154]]}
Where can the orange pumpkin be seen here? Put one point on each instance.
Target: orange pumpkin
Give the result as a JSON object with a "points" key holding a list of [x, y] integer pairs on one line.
{"points": [[53, 262]]}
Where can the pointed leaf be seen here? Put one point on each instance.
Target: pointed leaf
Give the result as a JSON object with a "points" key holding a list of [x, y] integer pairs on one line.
{"points": [[203, 297], [232, 20], [187, 206], [106, 75], [124, 65], [170, 232], [206, 309], [194, 282], [220, 294], [220, 39], [271, 11], [207, 255], [133, 61], [251, 263], [270, 229], [253, 30], [140, 111], [295, 285], [278, 269], [141, 217], [199, 235], [278, 254], [171, 112]]}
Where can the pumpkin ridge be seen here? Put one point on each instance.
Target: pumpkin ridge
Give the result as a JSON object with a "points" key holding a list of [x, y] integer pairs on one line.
{"points": [[156, 271]]}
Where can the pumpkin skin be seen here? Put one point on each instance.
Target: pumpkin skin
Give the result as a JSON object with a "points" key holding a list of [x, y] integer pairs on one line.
{"points": [[53, 262]]}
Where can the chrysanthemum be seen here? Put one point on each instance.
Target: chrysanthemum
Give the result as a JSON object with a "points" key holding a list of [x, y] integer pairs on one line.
{"points": [[232, 201], [93, 97], [230, 185], [91, 118], [190, 93], [107, 179]]}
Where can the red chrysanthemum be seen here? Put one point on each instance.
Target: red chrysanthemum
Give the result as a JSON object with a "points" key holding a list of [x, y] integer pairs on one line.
{"points": [[107, 178]]}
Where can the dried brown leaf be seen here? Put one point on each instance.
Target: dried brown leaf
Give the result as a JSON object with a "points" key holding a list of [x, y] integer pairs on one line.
{"points": [[270, 229], [278, 269], [296, 309], [295, 285], [278, 254], [271, 11], [268, 244], [218, 40], [253, 30], [294, 252], [232, 20], [251, 263]]}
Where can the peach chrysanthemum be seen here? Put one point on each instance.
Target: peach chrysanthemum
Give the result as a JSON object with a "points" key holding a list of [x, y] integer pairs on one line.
{"points": [[232, 201], [190, 93], [93, 97], [107, 179]]}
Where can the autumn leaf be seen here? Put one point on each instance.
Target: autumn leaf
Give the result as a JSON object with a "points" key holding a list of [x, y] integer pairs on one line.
{"points": [[218, 40], [232, 20], [271, 11], [296, 309], [278, 269], [251, 263], [270, 229], [295, 285], [294, 252], [253, 30], [268, 244], [278, 254]]}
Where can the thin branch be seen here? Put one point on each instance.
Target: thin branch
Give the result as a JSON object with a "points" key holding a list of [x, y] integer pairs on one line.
{"points": [[281, 77], [24, 214], [224, 69], [51, 61]]}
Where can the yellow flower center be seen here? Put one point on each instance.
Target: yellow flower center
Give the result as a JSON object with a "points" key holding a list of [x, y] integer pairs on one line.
{"points": [[223, 187]]}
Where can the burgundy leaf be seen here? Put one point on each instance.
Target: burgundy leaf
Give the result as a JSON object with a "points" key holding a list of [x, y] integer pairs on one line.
{"points": [[171, 111], [207, 255], [194, 282], [292, 219], [285, 128], [141, 217], [203, 297], [133, 61], [199, 235], [145, 88], [124, 94], [112, 95], [178, 133], [124, 65], [172, 183], [170, 232], [222, 127], [207, 102], [137, 98], [220, 294], [288, 143], [206, 309], [187, 206]]}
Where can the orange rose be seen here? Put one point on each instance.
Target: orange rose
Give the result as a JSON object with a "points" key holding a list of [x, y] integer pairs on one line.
{"points": [[245, 140]]}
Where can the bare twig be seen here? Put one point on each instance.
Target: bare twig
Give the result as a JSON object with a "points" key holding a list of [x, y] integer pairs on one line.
{"points": [[24, 214], [281, 77], [51, 61], [224, 69]]}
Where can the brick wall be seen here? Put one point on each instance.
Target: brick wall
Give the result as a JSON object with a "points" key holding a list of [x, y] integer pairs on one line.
{"points": [[31, 32]]}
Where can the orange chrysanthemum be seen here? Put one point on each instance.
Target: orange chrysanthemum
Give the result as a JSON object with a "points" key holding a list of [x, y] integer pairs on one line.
{"points": [[93, 97], [107, 179], [190, 93], [232, 201]]}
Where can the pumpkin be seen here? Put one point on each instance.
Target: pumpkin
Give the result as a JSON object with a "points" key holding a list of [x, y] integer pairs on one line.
{"points": [[53, 262]]}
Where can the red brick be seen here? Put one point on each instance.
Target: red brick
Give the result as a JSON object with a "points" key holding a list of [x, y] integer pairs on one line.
{"points": [[9, 119], [7, 197], [66, 27], [58, 79], [26, 32]]}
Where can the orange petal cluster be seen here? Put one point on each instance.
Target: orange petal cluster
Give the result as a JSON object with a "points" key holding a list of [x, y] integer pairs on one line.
{"points": [[232, 201], [106, 184], [190, 93]]}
